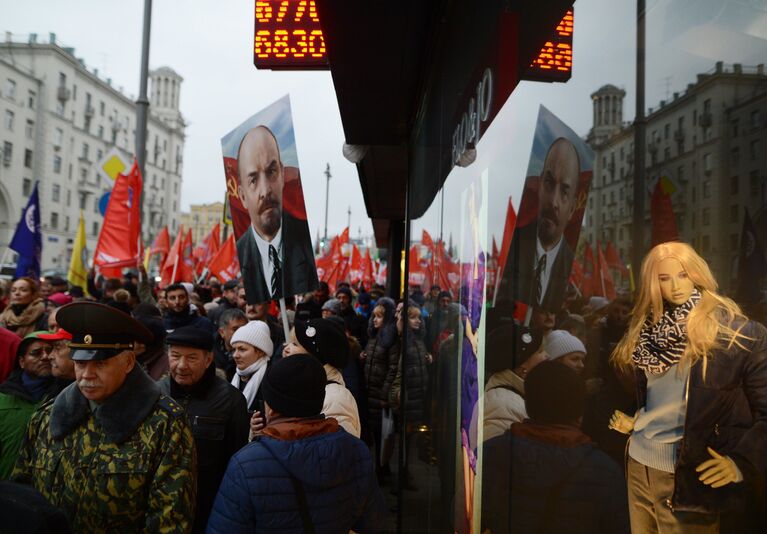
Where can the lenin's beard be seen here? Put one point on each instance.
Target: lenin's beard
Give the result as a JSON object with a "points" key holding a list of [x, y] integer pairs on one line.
{"points": [[269, 216]]}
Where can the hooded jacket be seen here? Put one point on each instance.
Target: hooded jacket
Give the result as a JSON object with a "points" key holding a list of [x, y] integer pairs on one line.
{"points": [[339, 402], [381, 359], [334, 469], [416, 370]]}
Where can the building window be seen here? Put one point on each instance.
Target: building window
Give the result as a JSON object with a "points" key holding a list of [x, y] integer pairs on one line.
{"points": [[175, 188], [102, 107], [734, 213], [735, 155], [66, 223], [101, 132], [754, 149], [10, 89], [82, 200], [734, 183], [755, 119], [30, 129], [753, 180], [58, 136], [26, 187], [56, 193], [707, 189], [666, 131], [707, 162], [9, 120], [99, 154], [95, 205], [95, 228], [54, 220], [680, 173], [31, 99], [69, 198], [86, 150], [7, 153], [83, 177], [27, 158], [666, 153], [56, 164], [706, 216]]}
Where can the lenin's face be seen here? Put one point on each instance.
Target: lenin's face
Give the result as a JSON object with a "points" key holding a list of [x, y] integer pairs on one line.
{"points": [[261, 181], [557, 192]]}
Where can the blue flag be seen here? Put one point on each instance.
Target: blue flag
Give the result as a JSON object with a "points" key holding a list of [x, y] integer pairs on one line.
{"points": [[28, 240]]}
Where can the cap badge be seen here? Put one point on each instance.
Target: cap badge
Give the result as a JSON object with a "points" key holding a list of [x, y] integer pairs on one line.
{"points": [[311, 332], [87, 339]]}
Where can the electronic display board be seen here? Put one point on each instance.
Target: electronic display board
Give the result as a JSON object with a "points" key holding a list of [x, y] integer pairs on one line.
{"points": [[554, 62], [288, 36]]}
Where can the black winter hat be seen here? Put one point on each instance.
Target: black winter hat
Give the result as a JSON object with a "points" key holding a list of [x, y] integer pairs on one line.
{"points": [[324, 339], [295, 386], [191, 336], [554, 394]]}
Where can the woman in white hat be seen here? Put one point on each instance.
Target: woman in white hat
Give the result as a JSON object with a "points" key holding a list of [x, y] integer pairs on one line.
{"points": [[252, 349]]}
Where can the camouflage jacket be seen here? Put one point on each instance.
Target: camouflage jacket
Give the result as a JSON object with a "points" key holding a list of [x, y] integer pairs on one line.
{"points": [[127, 467]]}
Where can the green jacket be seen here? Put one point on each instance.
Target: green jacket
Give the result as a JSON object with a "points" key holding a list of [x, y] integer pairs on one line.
{"points": [[128, 466], [16, 407]]}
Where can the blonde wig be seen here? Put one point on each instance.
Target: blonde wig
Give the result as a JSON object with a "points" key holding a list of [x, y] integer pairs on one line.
{"points": [[710, 325]]}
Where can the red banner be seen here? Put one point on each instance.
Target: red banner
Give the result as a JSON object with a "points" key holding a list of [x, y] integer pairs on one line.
{"points": [[119, 240], [205, 251], [224, 265]]}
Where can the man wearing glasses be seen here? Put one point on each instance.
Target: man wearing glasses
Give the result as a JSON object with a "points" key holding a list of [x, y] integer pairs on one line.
{"points": [[21, 394]]}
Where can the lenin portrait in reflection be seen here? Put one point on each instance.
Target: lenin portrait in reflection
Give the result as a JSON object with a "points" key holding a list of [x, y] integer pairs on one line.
{"points": [[275, 252], [541, 256]]}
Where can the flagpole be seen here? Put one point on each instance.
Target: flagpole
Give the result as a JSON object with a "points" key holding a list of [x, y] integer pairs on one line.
{"points": [[284, 314], [175, 266]]}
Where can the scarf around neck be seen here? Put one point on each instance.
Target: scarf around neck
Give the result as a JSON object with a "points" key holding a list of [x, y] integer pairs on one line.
{"points": [[662, 345], [256, 372]]}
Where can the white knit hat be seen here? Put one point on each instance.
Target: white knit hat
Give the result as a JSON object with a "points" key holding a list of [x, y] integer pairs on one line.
{"points": [[255, 333], [597, 303], [561, 342]]}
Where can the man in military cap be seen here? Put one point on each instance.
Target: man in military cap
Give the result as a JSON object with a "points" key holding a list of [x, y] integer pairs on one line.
{"points": [[111, 452], [216, 410]]}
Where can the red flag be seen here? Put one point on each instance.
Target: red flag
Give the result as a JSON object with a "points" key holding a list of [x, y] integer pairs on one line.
{"points": [[427, 241], [495, 253], [355, 266], [614, 260], [662, 214], [344, 237], [188, 260], [224, 264], [382, 274], [366, 268], [161, 243], [508, 234], [118, 244], [171, 269], [589, 269], [205, 251], [417, 276], [605, 284], [576, 275]]}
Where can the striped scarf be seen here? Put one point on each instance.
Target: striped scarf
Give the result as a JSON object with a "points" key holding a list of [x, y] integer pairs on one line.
{"points": [[661, 345]]}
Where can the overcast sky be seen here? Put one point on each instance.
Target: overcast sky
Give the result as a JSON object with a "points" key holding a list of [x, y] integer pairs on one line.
{"points": [[209, 44]]}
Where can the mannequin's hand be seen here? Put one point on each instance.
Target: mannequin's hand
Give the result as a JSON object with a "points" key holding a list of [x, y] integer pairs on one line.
{"points": [[719, 471], [621, 422]]}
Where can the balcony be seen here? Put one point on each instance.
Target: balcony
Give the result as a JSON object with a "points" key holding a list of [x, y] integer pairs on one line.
{"points": [[63, 94], [706, 119], [90, 111]]}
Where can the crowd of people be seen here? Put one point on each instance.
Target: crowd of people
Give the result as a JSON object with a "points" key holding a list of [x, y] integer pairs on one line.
{"points": [[127, 407]]}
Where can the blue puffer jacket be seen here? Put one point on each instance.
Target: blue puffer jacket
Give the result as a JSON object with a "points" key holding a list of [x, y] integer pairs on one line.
{"points": [[336, 470], [554, 488]]}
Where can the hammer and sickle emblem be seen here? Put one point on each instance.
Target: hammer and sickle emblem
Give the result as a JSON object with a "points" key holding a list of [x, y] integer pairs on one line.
{"points": [[88, 339]]}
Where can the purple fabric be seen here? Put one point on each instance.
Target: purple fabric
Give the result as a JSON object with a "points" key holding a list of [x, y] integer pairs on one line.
{"points": [[472, 299]]}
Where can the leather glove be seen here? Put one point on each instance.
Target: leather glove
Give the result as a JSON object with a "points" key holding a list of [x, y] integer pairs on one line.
{"points": [[719, 471]]}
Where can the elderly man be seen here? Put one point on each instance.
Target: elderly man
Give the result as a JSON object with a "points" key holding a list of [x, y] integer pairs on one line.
{"points": [[216, 411], [275, 253], [20, 396], [111, 452], [539, 265], [180, 313], [62, 366]]}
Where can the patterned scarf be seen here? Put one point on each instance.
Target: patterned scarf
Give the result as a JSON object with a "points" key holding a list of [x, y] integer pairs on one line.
{"points": [[661, 345]]}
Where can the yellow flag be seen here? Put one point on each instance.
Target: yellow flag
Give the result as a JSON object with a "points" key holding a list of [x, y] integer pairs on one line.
{"points": [[147, 255], [78, 272]]}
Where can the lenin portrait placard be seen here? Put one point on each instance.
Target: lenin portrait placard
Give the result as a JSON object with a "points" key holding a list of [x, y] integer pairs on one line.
{"points": [[263, 185]]}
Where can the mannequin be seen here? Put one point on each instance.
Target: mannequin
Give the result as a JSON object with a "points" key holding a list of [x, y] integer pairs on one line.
{"points": [[698, 436]]}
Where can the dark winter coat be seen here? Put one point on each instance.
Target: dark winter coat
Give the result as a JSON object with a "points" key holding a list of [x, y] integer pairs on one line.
{"points": [[551, 485], [416, 370], [355, 324], [335, 470], [219, 421], [727, 412], [381, 359]]}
